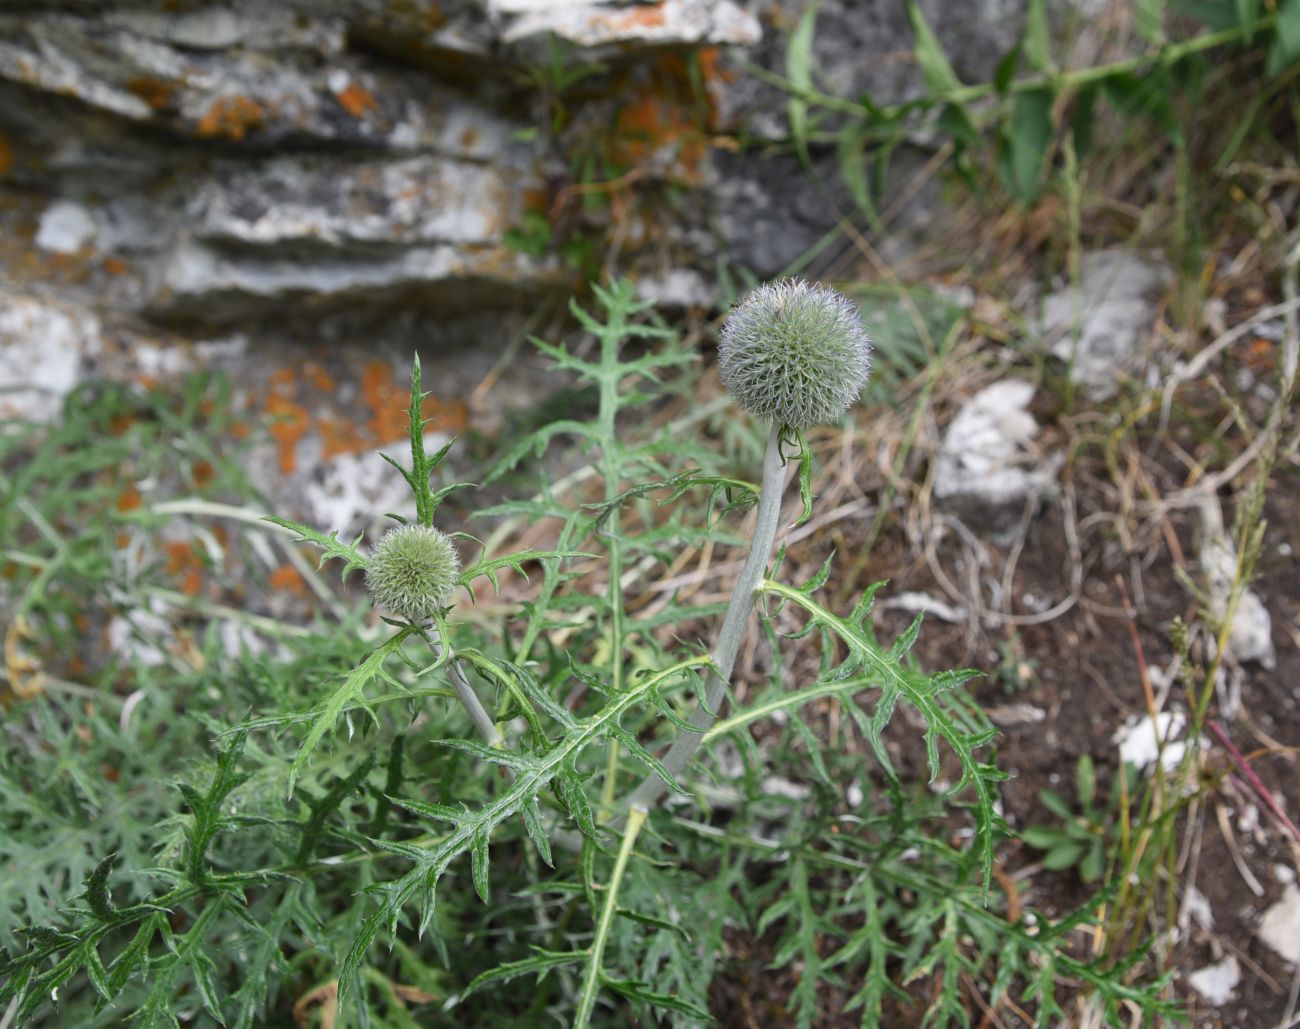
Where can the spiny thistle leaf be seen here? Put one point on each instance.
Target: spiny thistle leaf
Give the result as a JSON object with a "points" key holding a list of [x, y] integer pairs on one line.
{"points": [[539, 964], [206, 809], [352, 687], [334, 549], [488, 567], [637, 991], [556, 764], [96, 893], [895, 682]]}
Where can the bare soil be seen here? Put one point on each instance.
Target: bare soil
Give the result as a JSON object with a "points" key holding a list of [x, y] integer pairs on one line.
{"points": [[1085, 680]]}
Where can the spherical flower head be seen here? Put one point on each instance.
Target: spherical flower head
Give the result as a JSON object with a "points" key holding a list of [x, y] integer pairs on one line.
{"points": [[412, 572], [794, 354]]}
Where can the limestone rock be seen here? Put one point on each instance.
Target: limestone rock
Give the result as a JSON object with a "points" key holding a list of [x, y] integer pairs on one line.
{"points": [[989, 466], [43, 350], [1251, 636], [1280, 926], [599, 26], [65, 228], [1098, 328], [233, 157], [211, 286], [327, 202], [293, 86], [1217, 982]]}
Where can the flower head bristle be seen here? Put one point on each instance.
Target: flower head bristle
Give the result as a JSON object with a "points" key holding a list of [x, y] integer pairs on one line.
{"points": [[412, 572], [794, 354]]}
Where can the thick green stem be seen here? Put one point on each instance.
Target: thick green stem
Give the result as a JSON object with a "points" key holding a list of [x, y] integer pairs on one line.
{"points": [[733, 626]]}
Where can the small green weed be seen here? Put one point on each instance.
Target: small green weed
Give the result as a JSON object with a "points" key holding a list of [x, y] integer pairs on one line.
{"points": [[1088, 833]]}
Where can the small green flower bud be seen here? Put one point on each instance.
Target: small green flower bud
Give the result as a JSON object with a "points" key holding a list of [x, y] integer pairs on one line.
{"points": [[412, 572], [794, 354]]}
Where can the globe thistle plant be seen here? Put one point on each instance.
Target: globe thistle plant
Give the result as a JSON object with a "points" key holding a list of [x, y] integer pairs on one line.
{"points": [[794, 354], [412, 572]]}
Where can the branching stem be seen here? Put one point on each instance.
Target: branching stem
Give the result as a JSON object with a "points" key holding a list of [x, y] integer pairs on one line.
{"points": [[733, 625]]}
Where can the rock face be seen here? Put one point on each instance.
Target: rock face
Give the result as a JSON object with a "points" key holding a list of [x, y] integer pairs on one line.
{"points": [[289, 173], [242, 154]]}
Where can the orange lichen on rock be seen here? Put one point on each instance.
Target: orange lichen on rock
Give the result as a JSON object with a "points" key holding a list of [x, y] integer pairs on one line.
{"points": [[382, 421], [356, 100], [710, 61], [652, 123], [203, 473], [319, 377], [383, 397], [129, 499], [340, 436], [287, 579], [232, 117], [446, 415], [648, 16], [184, 561], [389, 402], [289, 419], [115, 266], [157, 93]]}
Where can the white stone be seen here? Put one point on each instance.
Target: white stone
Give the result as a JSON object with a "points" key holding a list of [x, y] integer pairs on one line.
{"points": [[1251, 635], [1099, 326], [160, 361], [988, 465], [1015, 714], [914, 602], [678, 287], [1280, 926], [41, 351], [667, 23], [1138, 739], [1197, 906], [1216, 982], [65, 228]]}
